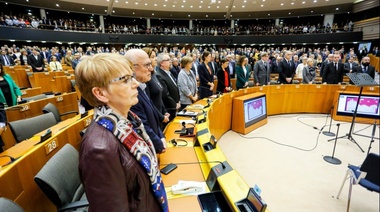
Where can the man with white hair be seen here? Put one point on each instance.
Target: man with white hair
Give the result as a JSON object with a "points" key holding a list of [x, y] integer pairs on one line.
{"points": [[145, 109]]}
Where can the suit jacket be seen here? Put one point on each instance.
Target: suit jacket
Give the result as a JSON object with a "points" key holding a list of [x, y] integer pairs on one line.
{"points": [[170, 92], [348, 67], [214, 67], [370, 70], [332, 76], [376, 53], [286, 71], [308, 74], [154, 90], [10, 60], [275, 67], [241, 77], [175, 71], [204, 78], [261, 74], [221, 80], [194, 68], [148, 114], [233, 65], [22, 62], [35, 63]]}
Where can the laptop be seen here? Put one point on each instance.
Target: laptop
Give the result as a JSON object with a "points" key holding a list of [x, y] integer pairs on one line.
{"points": [[252, 203]]}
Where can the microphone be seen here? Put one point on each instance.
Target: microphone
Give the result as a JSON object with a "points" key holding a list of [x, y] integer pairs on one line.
{"points": [[201, 162], [10, 157]]}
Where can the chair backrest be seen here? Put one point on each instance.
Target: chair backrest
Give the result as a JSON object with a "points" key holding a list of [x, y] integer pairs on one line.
{"points": [[7, 205], [26, 128], [36, 97], [372, 167], [51, 108], [59, 178]]}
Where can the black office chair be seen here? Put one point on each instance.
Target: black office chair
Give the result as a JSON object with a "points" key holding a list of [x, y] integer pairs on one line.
{"points": [[366, 175], [26, 128], [7, 205], [59, 180], [34, 98], [51, 108]]}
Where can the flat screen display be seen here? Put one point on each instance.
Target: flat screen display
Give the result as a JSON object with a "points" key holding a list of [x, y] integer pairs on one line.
{"points": [[255, 110], [368, 106]]}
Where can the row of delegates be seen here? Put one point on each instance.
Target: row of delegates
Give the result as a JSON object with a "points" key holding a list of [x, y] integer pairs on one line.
{"points": [[242, 73], [118, 163], [187, 83], [154, 88], [10, 94], [145, 108], [261, 70]]}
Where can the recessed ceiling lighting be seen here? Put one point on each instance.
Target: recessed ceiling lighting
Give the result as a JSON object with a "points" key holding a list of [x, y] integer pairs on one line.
{"points": [[292, 3], [28, 41], [234, 6], [315, 1], [68, 11], [268, 14], [182, 6], [282, 4], [200, 6], [126, 2], [113, 11], [290, 13], [337, 8], [155, 5], [57, 5], [206, 16], [105, 10], [117, 1], [218, 2], [243, 6], [201, 2], [136, 3], [312, 11], [152, 13], [27, 0], [189, 15], [12, 40], [245, 1], [146, 4], [208, 7], [164, 5], [133, 13], [191, 6], [217, 6], [303, 2], [82, 8], [173, 5], [226, 6], [262, 5]]}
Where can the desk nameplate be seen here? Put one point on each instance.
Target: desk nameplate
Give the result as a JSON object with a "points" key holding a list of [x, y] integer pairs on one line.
{"points": [[51, 146]]}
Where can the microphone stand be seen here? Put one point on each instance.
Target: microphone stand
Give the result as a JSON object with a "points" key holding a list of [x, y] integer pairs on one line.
{"points": [[372, 138], [331, 159], [329, 133]]}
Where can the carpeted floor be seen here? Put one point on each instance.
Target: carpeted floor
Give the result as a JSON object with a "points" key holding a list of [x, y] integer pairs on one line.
{"points": [[287, 163]]}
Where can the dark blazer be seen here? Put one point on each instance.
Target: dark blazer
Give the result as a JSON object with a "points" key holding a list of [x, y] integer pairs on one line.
{"points": [[370, 70], [214, 67], [193, 67], [233, 69], [261, 74], [148, 114], [286, 71], [332, 76], [154, 90], [170, 92], [22, 59], [204, 78], [36, 63], [275, 67], [323, 67], [10, 60], [175, 71], [347, 65], [45, 55], [221, 85], [241, 77], [376, 53]]}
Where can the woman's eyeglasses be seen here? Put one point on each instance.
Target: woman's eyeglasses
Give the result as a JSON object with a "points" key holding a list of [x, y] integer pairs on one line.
{"points": [[127, 79]]}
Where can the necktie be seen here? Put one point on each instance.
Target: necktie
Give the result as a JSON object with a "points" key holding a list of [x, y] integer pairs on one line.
{"points": [[288, 63], [171, 77], [364, 69]]}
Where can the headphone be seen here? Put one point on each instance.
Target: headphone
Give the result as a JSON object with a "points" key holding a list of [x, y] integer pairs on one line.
{"points": [[176, 143]]}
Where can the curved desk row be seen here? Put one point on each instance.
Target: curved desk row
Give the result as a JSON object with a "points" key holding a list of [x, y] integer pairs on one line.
{"points": [[17, 179], [281, 99]]}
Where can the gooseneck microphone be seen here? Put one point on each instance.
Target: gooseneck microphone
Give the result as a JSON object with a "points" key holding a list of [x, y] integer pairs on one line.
{"points": [[200, 162]]}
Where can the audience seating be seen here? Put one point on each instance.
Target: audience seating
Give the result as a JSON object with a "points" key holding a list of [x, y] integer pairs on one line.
{"points": [[7, 205], [34, 98], [59, 180], [366, 175], [26, 128], [51, 108]]}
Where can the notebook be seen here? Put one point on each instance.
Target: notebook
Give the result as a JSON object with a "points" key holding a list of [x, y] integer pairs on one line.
{"points": [[252, 203]]}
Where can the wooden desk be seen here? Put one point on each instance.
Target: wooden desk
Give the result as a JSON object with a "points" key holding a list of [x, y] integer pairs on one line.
{"points": [[42, 79], [65, 102], [31, 92], [19, 75], [17, 179]]}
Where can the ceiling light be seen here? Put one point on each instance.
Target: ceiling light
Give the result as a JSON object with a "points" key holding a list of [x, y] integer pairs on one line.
{"points": [[164, 5], [113, 11], [146, 4], [292, 3], [282, 4], [234, 6], [243, 6], [57, 5], [315, 1], [312, 11], [189, 15], [208, 7], [152, 13], [201, 2], [133, 13], [82, 8], [226, 6], [173, 5], [217, 6], [126, 2], [28, 41], [218, 2], [191, 6], [155, 5], [337, 8], [105, 10], [12, 40], [117, 1], [200, 6], [262, 5], [206, 16], [290, 13], [268, 14], [303, 2], [136, 3], [27, 0]]}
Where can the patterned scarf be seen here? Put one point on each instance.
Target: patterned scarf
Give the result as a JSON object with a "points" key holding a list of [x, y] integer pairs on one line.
{"points": [[137, 141]]}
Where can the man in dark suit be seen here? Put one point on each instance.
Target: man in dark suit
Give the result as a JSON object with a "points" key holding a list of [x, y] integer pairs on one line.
{"points": [[170, 93], [5, 59], [145, 109], [231, 66], [324, 64], [194, 66], [275, 64], [286, 69], [350, 64], [175, 68], [365, 67], [376, 51], [36, 61], [333, 73], [261, 70]]}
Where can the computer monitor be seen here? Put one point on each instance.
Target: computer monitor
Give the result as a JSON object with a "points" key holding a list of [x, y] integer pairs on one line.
{"points": [[255, 110], [368, 106]]}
